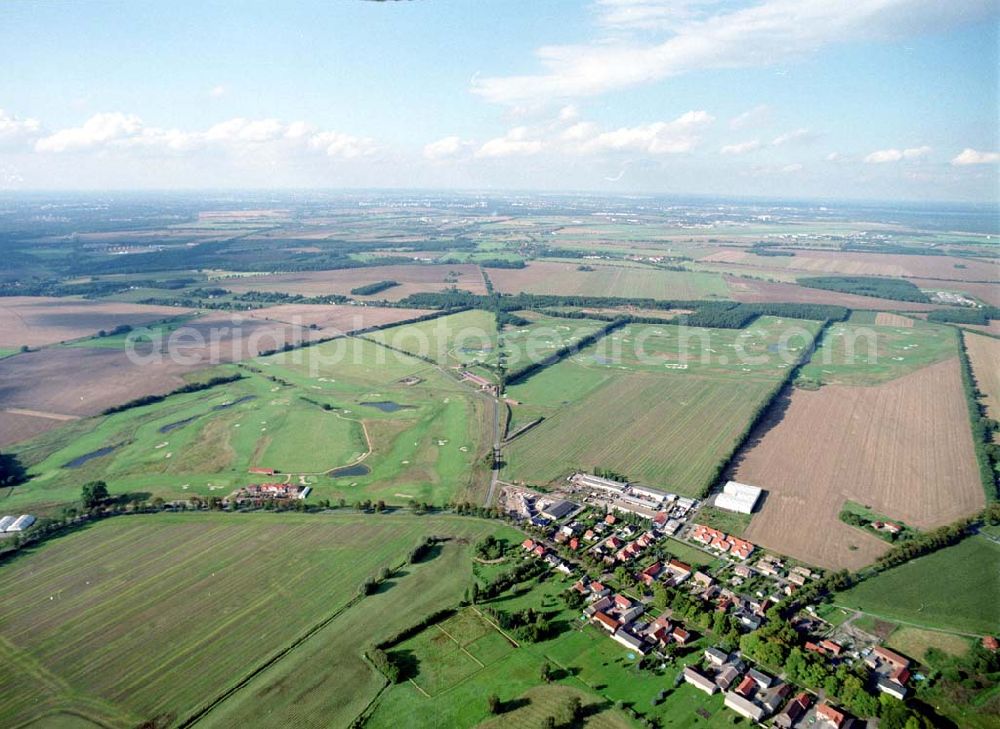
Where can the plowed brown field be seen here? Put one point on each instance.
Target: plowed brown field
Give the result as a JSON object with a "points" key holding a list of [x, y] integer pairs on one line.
{"points": [[903, 448], [752, 291], [984, 355], [417, 278]]}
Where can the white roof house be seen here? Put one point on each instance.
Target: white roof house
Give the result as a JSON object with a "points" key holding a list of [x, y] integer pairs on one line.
{"points": [[738, 497], [21, 523]]}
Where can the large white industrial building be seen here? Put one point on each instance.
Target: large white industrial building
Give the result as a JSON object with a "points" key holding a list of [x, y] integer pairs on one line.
{"points": [[738, 497]]}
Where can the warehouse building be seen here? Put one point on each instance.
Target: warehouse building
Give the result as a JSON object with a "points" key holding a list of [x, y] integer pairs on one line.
{"points": [[738, 497]]}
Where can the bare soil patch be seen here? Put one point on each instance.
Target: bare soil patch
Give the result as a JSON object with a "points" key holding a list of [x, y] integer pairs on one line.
{"points": [[987, 292], [331, 319], [728, 255], [752, 291], [903, 448], [15, 427], [412, 279], [36, 321], [984, 356], [884, 264]]}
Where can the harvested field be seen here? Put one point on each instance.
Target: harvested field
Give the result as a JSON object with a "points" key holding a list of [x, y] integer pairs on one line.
{"points": [[852, 263], [81, 381], [412, 279], [18, 426], [903, 449], [884, 318], [201, 600], [992, 328], [984, 356], [331, 319], [36, 321], [667, 430], [753, 291], [548, 277]]}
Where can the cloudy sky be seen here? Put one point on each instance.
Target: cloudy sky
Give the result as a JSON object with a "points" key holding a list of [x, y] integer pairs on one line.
{"points": [[882, 99]]}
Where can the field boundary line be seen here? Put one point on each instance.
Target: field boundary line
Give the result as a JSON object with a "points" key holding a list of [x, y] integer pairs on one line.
{"points": [[461, 647], [198, 715], [498, 628], [908, 623], [417, 687]]}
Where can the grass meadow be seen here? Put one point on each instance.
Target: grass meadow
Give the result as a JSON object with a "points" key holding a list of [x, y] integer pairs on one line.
{"points": [[201, 600], [957, 588], [450, 688], [663, 404], [859, 352]]}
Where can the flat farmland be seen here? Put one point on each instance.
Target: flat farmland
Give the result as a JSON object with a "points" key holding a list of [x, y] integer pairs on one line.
{"points": [[522, 345], [543, 277], [956, 588], [660, 403], [984, 356], [884, 264], [36, 321], [416, 278], [752, 291], [862, 351], [466, 338], [671, 431], [331, 319], [200, 600], [902, 448], [987, 290]]}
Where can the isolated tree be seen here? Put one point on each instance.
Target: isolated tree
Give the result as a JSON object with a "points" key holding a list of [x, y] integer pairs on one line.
{"points": [[93, 494], [574, 710], [493, 703], [546, 672]]}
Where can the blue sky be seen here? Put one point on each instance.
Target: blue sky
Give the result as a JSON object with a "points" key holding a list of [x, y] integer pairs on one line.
{"points": [[886, 99]]}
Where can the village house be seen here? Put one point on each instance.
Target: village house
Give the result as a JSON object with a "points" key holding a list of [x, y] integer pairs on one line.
{"points": [[716, 656], [703, 579], [630, 641], [649, 575], [891, 687], [680, 635], [605, 621], [743, 706], [760, 678], [699, 680], [829, 716], [725, 677], [746, 687], [793, 711], [679, 571]]}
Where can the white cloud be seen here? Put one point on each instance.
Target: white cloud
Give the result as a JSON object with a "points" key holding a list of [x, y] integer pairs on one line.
{"points": [[834, 157], [217, 92], [674, 137], [116, 130], [882, 156], [969, 156], [516, 142], [15, 131], [98, 130], [445, 148], [797, 135], [770, 32], [751, 117], [794, 167], [740, 148], [568, 113]]}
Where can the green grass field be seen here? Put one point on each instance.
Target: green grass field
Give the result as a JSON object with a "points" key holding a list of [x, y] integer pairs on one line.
{"points": [[200, 600], [858, 352], [522, 345], [462, 339], [664, 404], [426, 446], [586, 663], [951, 589]]}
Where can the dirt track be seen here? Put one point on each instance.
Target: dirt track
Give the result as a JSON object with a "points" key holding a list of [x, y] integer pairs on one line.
{"points": [[903, 448]]}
